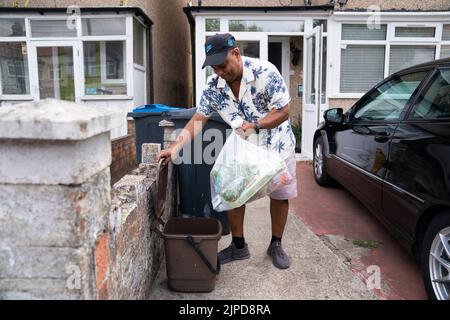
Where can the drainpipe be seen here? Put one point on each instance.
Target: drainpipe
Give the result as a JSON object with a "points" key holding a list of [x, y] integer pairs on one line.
{"points": [[194, 94], [151, 97]]}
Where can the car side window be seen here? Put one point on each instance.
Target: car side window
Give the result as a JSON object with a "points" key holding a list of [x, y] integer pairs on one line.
{"points": [[387, 101], [434, 102]]}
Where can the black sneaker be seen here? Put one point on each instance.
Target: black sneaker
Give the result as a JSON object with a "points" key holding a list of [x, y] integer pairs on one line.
{"points": [[279, 257], [232, 253]]}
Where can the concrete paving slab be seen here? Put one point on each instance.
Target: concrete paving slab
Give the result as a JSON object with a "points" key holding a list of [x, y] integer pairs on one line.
{"points": [[315, 272]]}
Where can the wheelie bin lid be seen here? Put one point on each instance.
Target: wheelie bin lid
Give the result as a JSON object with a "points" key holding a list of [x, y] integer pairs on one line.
{"points": [[151, 109]]}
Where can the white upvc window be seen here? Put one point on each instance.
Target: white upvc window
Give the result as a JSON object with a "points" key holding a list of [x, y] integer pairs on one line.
{"points": [[14, 64], [94, 53], [413, 32], [369, 55], [106, 43]]}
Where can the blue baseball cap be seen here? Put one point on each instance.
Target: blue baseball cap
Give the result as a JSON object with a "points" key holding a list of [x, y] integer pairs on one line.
{"points": [[217, 47]]}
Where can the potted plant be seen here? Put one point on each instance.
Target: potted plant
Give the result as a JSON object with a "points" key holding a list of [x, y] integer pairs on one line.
{"points": [[297, 130]]}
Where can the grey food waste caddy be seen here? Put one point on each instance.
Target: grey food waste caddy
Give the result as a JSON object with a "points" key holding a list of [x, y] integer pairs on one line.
{"points": [[146, 119], [193, 179]]}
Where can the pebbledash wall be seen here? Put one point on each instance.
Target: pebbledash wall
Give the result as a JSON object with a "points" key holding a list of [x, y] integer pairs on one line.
{"points": [[64, 232]]}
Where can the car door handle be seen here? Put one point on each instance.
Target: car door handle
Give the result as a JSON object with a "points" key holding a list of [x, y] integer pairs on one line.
{"points": [[383, 136]]}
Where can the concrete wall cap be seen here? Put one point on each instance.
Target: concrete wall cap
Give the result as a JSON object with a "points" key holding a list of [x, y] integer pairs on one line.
{"points": [[52, 119], [166, 123]]}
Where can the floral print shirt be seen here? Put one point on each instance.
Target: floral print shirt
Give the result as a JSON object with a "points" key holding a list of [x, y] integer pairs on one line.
{"points": [[262, 89]]}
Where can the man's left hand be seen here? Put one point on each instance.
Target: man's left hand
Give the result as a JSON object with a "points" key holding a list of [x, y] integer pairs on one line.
{"points": [[248, 127]]}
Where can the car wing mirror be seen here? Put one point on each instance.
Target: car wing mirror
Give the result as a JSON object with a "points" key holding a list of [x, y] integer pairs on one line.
{"points": [[334, 116]]}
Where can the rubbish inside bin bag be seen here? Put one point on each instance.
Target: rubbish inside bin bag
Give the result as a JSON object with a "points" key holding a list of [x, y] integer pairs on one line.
{"points": [[244, 172]]}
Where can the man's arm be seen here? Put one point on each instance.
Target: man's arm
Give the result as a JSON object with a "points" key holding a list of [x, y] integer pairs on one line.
{"points": [[273, 119], [187, 134]]}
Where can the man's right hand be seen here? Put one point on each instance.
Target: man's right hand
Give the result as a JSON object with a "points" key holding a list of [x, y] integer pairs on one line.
{"points": [[166, 154], [192, 128]]}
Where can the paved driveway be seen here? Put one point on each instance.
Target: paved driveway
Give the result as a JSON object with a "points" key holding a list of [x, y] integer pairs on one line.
{"points": [[315, 272], [348, 228]]}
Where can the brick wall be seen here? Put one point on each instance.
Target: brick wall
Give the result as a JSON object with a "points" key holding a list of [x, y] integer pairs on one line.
{"points": [[123, 152]]}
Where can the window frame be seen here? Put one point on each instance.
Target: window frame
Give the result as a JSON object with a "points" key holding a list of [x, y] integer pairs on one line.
{"points": [[423, 88]]}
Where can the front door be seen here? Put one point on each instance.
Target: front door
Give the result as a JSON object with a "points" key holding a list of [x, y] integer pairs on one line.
{"points": [[278, 54], [312, 101], [55, 66]]}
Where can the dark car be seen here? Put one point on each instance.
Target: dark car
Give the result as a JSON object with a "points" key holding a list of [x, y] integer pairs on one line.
{"points": [[391, 150]]}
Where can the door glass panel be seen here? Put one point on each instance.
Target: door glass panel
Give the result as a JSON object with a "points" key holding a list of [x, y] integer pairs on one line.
{"points": [[310, 69], [212, 25], [320, 22], [249, 48], [388, 100], [266, 26], [55, 71], [435, 103], [323, 90]]}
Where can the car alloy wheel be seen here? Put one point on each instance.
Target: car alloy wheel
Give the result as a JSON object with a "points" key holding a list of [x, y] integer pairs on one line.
{"points": [[439, 264], [318, 161]]}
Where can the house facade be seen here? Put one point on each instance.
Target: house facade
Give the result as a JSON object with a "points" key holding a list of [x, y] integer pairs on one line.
{"points": [[329, 52], [120, 54], [110, 53]]}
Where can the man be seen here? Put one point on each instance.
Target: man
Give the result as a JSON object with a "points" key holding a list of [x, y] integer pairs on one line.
{"points": [[253, 90]]}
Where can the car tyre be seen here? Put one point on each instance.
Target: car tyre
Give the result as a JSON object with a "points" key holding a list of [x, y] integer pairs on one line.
{"points": [[435, 258], [320, 165]]}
